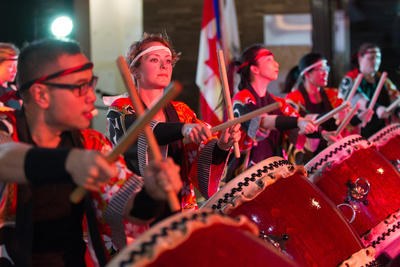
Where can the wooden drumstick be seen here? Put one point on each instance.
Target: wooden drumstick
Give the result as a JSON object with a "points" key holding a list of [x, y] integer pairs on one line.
{"points": [[151, 139], [330, 114], [130, 137], [375, 96], [355, 86], [246, 117], [377, 90], [393, 105], [127, 140], [241, 119], [347, 119], [227, 94]]}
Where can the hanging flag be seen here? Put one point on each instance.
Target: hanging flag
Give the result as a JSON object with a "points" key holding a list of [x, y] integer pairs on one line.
{"points": [[207, 76], [230, 31], [218, 31], [231, 42]]}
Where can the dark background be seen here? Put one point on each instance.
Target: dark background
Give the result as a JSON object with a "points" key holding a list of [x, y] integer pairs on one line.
{"points": [[26, 20]]}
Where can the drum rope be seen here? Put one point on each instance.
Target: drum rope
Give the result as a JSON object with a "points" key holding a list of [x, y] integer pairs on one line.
{"points": [[331, 153], [383, 236], [176, 225], [259, 172], [387, 131]]}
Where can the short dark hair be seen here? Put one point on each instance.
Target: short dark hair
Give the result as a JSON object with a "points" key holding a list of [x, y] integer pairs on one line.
{"points": [[38, 57], [364, 47], [309, 59], [306, 61]]}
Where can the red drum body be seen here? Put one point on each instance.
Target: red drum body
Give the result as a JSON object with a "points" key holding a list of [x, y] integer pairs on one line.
{"points": [[387, 142], [359, 179], [200, 239], [290, 212]]}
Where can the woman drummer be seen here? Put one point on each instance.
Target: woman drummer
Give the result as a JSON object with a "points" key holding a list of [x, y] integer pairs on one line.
{"points": [[202, 161], [262, 137], [311, 97]]}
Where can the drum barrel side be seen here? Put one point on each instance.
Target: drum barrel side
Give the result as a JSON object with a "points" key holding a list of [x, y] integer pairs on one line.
{"points": [[222, 245], [391, 150], [382, 197], [293, 207]]}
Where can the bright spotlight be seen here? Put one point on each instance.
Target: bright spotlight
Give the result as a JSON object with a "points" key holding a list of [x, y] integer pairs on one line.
{"points": [[61, 26]]}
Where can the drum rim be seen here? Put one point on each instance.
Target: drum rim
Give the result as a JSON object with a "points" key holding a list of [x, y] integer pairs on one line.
{"points": [[390, 130], [158, 239], [382, 231], [224, 197], [328, 153]]}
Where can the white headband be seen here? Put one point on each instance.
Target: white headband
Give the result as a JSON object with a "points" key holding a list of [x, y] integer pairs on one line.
{"points": [[319, 62], [148, 50]]}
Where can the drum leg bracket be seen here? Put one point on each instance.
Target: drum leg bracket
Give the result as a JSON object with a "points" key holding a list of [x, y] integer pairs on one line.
{"points": [[358, 191]]}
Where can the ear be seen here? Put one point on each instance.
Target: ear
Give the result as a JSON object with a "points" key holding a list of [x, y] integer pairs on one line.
{"points": [[136, 74], [40, 95], [255, 69]]}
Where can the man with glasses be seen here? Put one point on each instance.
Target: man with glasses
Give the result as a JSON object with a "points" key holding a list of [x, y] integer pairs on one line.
{"points": [[46, 150], [367, 61]]}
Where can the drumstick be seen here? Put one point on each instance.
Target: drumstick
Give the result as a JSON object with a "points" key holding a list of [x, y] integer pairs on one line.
{"points": [[137, 104], [130, 137], [393, 105], [227, 94], [330, 114], [151, 139], [246, 117], [355, 86], [347, 119], [241, 119], [377, 90]]}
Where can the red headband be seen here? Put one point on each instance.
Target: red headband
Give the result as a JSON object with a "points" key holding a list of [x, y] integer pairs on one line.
{"points": [[371, 50], [86, 66], [265, 53]]}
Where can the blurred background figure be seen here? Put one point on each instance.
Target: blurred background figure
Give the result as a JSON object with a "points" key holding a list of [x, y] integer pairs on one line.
{"points": [[311, 98], [367, 61], [8, 70]]}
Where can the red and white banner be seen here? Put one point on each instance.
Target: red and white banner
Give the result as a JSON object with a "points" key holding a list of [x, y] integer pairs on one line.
{"points": [[215, 34]]}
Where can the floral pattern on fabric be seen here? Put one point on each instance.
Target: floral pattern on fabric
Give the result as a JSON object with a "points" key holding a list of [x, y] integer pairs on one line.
{"points": [[94, 140]]}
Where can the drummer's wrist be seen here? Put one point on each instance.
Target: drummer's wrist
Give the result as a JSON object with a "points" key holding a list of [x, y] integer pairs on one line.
{"points": [[36, 160], [286, 122]]}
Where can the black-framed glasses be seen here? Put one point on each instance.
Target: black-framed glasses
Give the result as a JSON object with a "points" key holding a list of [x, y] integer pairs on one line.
{"points": [[82, 88]]}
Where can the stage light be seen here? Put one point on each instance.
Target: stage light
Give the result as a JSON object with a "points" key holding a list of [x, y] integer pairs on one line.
{"points": [[61, 26]]}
